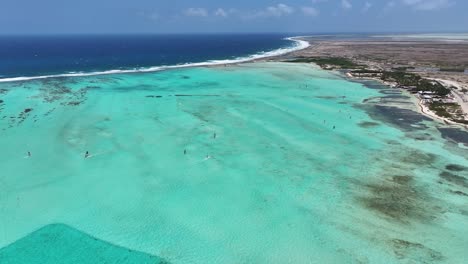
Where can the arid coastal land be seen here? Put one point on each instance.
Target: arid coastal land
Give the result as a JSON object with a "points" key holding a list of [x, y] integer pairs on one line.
{"points": [[433, 69]]}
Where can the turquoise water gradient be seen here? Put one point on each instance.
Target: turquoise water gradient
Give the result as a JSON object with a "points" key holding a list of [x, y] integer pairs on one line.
{"points": [[284, 163]]}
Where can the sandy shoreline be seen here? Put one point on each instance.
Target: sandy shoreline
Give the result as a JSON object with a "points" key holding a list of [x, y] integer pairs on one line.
{"points": [[377, 55], [423, 109]]}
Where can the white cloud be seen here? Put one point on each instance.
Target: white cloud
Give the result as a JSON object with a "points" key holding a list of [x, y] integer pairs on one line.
{"points": [[366, 7], [220, 12], [196, 11], [345, 4], [309, 11], [428, 4], [278, 10]]}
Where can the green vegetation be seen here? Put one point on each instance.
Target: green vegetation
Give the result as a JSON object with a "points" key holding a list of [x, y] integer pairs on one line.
{"points": [[420, 84], [342, 63], [462, 121], [439, 89], [399, 75], [451, 111], [402, 78], [440, 109]]}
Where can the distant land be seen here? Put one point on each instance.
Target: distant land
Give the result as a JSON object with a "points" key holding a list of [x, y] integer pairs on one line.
{"points": [[433, 67]]}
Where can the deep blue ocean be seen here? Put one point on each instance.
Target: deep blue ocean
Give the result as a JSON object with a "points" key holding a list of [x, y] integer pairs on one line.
{"points": [[27, 56]]}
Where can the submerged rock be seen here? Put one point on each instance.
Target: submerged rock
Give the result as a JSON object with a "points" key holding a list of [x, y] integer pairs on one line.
{"points": [[455, 179], [398, 199], [454, 134], [415, 251], [406, 120], [368, 124], [456, 167]]}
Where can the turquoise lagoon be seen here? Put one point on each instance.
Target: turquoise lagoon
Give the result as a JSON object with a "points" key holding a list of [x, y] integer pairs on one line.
{"points": [[284, 163]]}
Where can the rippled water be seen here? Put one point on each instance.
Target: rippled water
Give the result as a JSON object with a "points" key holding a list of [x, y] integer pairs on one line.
{"points": [[283, 163]]}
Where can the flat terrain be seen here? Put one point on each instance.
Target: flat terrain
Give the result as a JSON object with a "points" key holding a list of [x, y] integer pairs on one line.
{"points": [[422, 53], [443, 60], [426, 56]]}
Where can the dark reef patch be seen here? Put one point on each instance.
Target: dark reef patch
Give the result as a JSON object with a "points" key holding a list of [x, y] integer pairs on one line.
{"points": [[455, 135], [20, 118], [49, 112], [398, 198], [368, 124], [385, 100], [392, 142], [327, 97], [415, 251], [459, 193], [372, 84], [420, 136], [456, 167], [55, 89], [396, 96], [455, 179], [59, 243], [402, 179], [200, 95], [92, 87], [419, 158], [405, 119], [390, 91]]}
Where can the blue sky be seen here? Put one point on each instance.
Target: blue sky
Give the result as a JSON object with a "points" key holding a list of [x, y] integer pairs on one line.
{"points": [[206, 16]]}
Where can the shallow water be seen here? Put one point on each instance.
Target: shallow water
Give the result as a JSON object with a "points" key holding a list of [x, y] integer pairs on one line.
{"points": [[284, 163]]}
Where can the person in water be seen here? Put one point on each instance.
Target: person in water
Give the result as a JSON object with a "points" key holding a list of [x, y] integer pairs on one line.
{"points": [[86, 154], [214, 135], [29, 153], [185, 151]]}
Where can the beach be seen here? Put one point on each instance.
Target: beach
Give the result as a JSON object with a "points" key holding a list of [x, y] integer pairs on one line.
{"points": [[435, 57], [263, 162]]}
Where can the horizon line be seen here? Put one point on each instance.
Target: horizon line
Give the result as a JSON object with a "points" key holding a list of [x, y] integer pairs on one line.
{"points": [[230, 33]]}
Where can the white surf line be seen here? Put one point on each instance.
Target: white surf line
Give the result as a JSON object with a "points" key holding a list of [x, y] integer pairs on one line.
{"points": [[300, 44]]}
